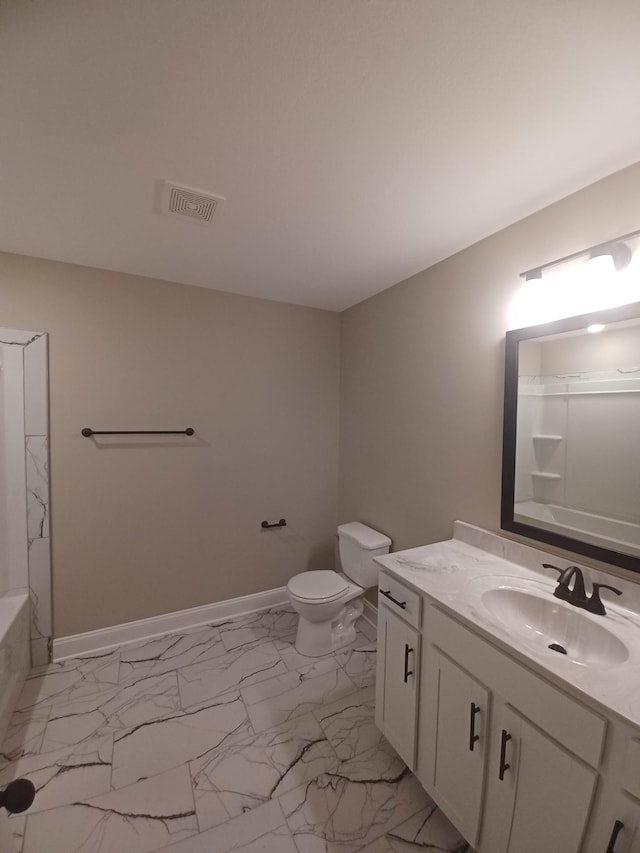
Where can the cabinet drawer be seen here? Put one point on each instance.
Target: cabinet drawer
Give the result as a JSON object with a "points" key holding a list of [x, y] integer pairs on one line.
{"points": [[399, 599], [563, 718]]}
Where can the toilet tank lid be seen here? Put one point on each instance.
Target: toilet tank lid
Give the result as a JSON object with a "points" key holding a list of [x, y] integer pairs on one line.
{"points": [[365, 537]]}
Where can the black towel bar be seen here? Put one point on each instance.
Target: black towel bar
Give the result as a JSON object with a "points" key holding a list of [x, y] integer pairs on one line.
{"points": [[266, 526], [87, 432]]}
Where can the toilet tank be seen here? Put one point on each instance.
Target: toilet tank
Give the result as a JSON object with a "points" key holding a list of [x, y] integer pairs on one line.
{"points": [[358, 545]]}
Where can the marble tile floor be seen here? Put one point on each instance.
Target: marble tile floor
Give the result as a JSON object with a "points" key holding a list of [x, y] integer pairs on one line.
{"points": [[218, 739]]}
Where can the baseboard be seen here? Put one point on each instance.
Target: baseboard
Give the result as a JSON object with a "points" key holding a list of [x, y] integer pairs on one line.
{"points": [[106, 639], [370, 614]]}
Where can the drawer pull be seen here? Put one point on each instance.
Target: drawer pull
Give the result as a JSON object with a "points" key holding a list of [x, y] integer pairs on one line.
{"points": [[407, 671], [387, 594], [506, 737], [615, 832], [473, 737]]}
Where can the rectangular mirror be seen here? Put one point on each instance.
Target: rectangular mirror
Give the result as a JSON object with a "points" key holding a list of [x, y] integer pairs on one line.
{"points": [[571, 451]]}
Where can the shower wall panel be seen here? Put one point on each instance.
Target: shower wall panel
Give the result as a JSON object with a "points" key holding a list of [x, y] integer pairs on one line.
{"points": [[26, 560]]}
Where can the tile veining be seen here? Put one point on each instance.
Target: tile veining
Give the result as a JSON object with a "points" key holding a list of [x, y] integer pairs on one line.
{"points": [[219, 738]]}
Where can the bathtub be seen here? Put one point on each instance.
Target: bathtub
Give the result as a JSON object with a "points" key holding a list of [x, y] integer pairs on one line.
{"points": [[14, 653], [595, 529]]}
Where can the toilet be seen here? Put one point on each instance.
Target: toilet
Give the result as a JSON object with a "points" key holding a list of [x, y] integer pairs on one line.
{"points": [[328, 603]]}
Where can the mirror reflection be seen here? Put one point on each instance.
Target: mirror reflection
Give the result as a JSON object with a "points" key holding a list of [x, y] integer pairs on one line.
{"points": [[575, 471]]}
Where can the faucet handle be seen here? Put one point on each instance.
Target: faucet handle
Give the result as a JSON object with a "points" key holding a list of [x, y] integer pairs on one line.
{"points": [[594, 605]]}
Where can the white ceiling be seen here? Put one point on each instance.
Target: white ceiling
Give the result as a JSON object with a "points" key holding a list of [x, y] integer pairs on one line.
{"points": [[356, 141]]}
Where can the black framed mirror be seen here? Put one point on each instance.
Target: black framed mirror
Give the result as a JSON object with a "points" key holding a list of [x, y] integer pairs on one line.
{"points": [[571, 447]]}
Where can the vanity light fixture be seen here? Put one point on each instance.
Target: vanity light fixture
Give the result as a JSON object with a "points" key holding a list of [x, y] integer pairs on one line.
{"points": [[616, 254], [595, 278], [595, 327]]}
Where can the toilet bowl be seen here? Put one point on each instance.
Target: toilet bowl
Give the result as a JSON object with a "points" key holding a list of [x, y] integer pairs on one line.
{"points": [[328, 603]]}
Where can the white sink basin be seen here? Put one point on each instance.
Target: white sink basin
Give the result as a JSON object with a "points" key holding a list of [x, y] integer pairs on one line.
{"points": [[540, 622]]}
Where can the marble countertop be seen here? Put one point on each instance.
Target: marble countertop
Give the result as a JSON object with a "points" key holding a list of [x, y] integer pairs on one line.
{"points": [[457, 572]]}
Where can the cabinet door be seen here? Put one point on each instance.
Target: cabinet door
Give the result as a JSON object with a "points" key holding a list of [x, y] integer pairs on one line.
{"points": [[538, 794], [396, 684], [455, 721], [620, 833]]}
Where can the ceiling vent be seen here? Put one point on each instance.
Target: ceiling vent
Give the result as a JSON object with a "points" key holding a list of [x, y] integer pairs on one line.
{"points": [[188, 203]]}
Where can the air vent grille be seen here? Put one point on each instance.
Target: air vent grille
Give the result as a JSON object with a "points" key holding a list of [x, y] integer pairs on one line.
{"points": [[188, 203]]}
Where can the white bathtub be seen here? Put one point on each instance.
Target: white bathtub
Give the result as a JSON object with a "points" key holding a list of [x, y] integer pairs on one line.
{"points": [[595, 529], [14, 653]]}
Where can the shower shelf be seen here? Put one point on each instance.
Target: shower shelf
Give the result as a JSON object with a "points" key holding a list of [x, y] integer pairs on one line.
{"points": [[543, 437], [544, 475]]}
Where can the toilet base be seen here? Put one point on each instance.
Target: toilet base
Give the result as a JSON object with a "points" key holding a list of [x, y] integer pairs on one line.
{"points": [[315, 639]]}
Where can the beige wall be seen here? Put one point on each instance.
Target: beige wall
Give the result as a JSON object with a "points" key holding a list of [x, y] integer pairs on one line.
{"points": [[422, 372], [140, 529]]}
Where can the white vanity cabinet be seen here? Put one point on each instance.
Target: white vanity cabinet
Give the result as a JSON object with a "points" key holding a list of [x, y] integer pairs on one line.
{"points": [[454, 711], [524, 751], [510, 759], [398, 666], [616, 827], [538, 795], [621, 831]]}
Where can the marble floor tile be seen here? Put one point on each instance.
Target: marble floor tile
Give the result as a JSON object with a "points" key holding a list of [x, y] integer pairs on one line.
{"points": [[230, 781], [12, 828], [111, 711], [344, 811], [24, 735], [263, 830], [428, 830], [360, 664], [222, 738], [349, 725], [65, 775], [267, 625], [382, 760], [157, 745], [228, 671], [69, 680], [138, 819], [170, 652], [295, 662], [293, 695], [379, 845]]}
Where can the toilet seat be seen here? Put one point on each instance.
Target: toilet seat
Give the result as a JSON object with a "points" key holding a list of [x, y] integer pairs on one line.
{"points": [[318, 586]]}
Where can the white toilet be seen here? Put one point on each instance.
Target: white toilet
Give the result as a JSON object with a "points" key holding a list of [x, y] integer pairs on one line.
{"points": [[328, 603]]}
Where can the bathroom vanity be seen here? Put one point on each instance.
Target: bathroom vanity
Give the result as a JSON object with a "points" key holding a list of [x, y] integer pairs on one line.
{"points": [[526, 749]]}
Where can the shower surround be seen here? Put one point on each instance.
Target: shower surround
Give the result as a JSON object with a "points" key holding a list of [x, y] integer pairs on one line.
{"points": [[25, 562]]}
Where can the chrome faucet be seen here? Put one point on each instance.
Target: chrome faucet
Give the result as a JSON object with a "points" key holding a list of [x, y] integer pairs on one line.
{"points": [[577, 595]]}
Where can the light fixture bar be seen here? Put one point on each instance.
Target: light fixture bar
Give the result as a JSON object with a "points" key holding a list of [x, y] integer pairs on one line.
{"points": [[536, 271]]}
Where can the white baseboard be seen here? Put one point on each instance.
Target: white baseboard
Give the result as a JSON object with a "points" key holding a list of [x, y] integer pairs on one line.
{"points": [[106, 639], [370, 614]]}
